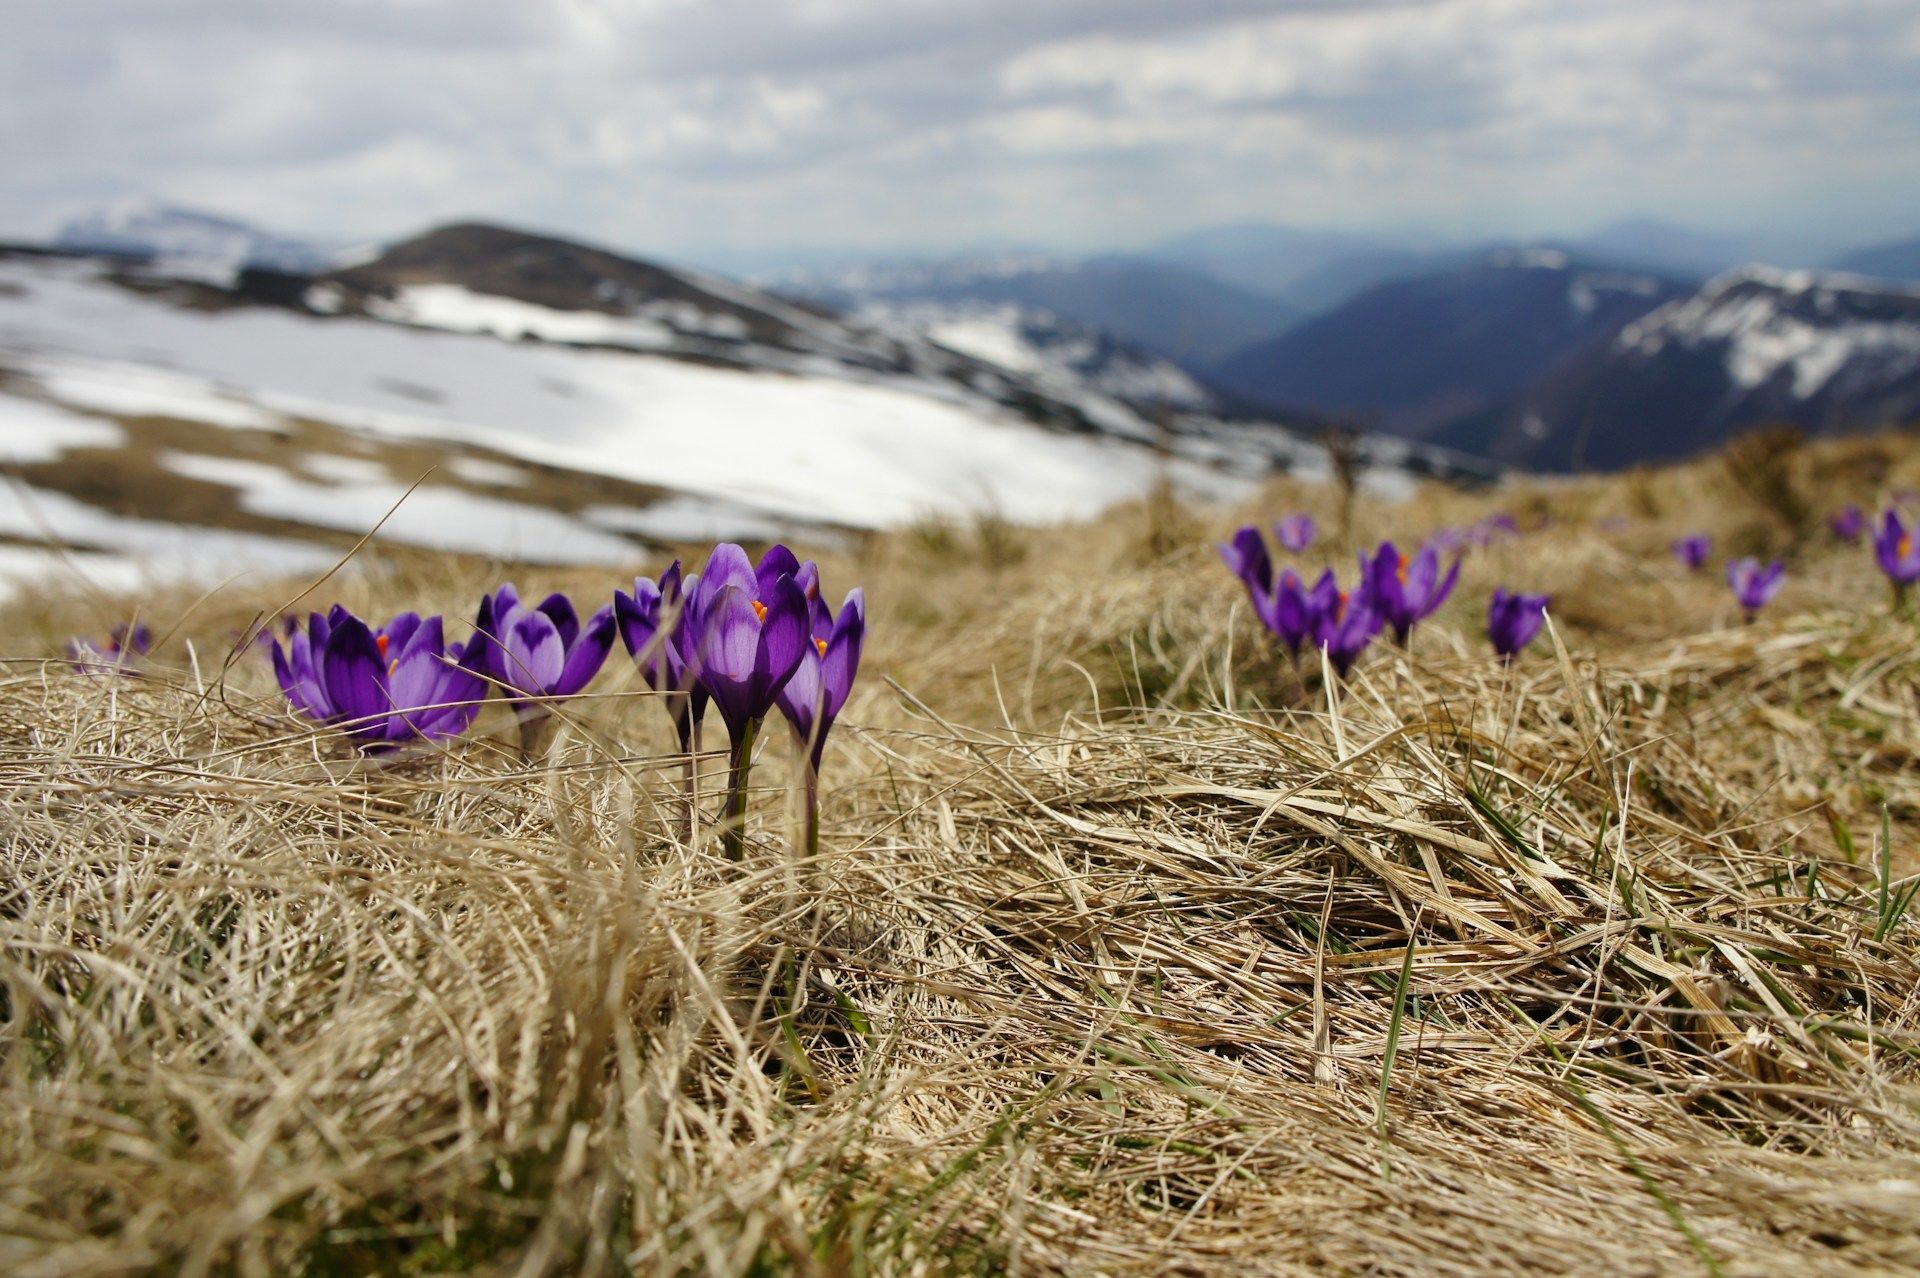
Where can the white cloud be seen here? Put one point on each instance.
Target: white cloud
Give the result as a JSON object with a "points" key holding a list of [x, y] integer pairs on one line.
{"points": [[675, 125]]}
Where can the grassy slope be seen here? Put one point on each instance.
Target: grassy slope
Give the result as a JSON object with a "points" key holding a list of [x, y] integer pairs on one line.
{"points": [[1116, 957]]}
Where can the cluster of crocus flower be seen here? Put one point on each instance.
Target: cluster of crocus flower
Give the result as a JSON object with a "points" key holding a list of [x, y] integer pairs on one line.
{"points": [[384, 686], [1390, 590], [743, 638], [747, 639], [1753, 585], [120, 652]]}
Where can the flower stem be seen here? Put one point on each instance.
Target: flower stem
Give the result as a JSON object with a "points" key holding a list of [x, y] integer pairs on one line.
{"points": [[812, 816], [533, 724], [733, 832], [690, 771]]}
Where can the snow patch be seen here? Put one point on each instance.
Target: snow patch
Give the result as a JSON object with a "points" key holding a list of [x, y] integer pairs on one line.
{"points": [[689, 519], [133, 552], [133, 390], [335, 469], [489, 474], [32, 430], [432, 517], [461, 310]]}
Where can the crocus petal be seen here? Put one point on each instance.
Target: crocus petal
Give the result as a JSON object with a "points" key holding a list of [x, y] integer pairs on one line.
{"points": [[587, 655], [803, 699], [356, 678], [842, 660], [728, 649], [785, 637], [728, 565], [637, 616], [559, 610], [414, 679], [302, 691], [778, 562], [1246, 555], [1440, 595], [534, 653]]}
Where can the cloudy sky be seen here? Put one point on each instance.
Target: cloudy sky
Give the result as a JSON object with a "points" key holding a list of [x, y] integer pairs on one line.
{"points": [[732, 129]]}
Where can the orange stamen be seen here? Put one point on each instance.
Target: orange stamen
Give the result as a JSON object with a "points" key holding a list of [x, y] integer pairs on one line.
{"points": [[381, 640], [393, 667], [1905, 547], [821, 644], [759, 611]]}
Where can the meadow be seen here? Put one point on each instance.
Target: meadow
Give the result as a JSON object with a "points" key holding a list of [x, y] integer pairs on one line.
{"points": [[1124, 950]]}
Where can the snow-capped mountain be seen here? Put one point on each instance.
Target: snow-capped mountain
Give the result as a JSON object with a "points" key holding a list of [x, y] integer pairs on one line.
{"points": [[1413, 354], [1755, 346], [184, 238]]}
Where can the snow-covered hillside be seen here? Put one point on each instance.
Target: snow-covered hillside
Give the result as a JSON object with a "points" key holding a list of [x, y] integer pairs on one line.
{"points": [[565, 403], [85, 361]]}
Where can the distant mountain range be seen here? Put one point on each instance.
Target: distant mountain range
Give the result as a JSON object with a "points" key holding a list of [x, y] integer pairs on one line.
{"points": [[1410, 355], [1899, 261], [1164, 307], [1754, 347], [1601, 351]]}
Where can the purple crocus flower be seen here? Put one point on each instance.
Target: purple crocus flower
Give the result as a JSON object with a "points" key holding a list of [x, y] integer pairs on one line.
{"points": [[384, 686], [1494, 526], [1291, 611], [1295, 532], [543, 651], [1894, 547], [813, 698], [1405, 592], [1346, 624], [1849, 523], [1513, 620], [1753, 586], [538, 655], [748, 628], [652, 624], [1693, 550], [123, 646], [1246, 554]]}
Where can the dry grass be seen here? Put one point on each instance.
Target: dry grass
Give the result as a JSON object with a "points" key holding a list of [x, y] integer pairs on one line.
{"points": [[1119, 957]]}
